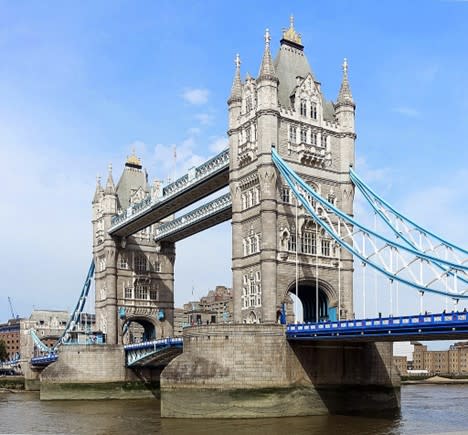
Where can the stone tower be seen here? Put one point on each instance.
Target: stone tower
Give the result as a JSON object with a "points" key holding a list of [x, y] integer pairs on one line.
{"points": [[284, 107], [134, 277]]}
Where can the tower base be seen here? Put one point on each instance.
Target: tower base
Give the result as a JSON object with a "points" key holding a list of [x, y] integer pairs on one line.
{"points": [[250, 371], [96, 372]]}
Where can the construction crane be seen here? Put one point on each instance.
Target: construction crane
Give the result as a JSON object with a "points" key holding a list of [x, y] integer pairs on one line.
{"points": [[13, 316]]}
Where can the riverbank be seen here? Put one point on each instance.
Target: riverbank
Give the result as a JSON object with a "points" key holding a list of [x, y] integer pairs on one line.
{"points": [[435, 380], [8, 383]]}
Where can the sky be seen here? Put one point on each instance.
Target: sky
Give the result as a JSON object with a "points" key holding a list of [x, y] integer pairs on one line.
{"points": [[83, 83]]}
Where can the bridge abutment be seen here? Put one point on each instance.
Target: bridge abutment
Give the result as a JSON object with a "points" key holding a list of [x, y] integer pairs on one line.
{"points": [[252, 371]]}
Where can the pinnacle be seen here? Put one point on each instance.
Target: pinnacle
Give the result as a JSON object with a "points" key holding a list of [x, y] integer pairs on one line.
{"points": [[267, 69], [236, 90], [345, 96]]}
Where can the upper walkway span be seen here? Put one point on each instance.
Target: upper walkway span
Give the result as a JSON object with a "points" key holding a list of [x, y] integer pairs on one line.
{"points": [[197, 184]]}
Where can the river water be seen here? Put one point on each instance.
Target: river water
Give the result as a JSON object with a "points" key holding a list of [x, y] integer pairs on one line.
{"points": [[426, 409]]}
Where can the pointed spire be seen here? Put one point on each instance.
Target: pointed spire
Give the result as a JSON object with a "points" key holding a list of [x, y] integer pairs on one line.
{"points": [[267, 70], [236, 90], [345, 96], [110, 187], [98, 191]]}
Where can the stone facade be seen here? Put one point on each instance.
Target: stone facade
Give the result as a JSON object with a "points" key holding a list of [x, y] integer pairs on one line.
{"points": [[401, 363], [134, 276], [284, 107]]}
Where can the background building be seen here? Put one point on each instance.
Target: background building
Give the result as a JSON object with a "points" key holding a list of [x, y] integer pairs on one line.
{"points": [[453, 361], [10, 334]]}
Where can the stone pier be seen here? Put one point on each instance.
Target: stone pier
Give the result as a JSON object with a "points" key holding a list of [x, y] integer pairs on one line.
{"points": [[249, 371], [96, 372]]}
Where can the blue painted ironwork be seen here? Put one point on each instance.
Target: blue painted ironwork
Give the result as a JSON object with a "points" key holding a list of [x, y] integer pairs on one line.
{"points": [[301, 189], [195, 175], [138, 351], [42, 361], [205, 211], [72, 322], [405, 229], [426, 325]]}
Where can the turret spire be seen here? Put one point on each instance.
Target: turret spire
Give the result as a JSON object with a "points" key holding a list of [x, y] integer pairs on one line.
{"points": [[98, 192], [236, 90], [110, 187], [345, 96], [267, 70]]}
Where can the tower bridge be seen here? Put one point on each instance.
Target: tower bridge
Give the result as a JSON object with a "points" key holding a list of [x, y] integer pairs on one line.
{"points": [[289, 169]]}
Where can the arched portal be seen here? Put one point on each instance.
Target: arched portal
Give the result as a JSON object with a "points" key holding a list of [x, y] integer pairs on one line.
{"points": [[137, 330], [307, 294]]}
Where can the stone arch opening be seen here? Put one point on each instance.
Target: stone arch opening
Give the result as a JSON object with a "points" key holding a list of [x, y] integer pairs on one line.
{"points": [[137, 330], [307, 296]]}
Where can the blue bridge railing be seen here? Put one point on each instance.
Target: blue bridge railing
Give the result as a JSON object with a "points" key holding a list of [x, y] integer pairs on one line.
{"points": [[426, 325], [39, 361]]}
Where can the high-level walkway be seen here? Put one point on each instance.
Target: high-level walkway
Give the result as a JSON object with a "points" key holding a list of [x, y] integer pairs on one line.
{"points": [[197, 184]]}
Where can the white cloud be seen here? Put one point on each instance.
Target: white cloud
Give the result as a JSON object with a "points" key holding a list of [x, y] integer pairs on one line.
{"points": [[410, 112], [204, 118], [218, 144], [196, 96]]}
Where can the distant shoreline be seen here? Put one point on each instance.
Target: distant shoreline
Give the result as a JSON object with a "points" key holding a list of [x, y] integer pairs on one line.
{"points": [[435, 380]]}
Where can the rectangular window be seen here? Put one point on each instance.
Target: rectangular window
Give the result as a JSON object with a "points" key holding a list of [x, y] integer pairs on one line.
{"points": [[285, 194], [157, 266], [323, 140], [313, 111], [123, 264], [247, 134], [309, 245], [154, 295], [128, 293], [292, 133], [141, 292], [292, 243], [313, 138], [140, 263], [326, 248], [303, 135], [303, 107], [253, 245], [248, 104]]}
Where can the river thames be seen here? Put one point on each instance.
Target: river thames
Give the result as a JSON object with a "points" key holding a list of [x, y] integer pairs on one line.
{"points": [[426, 409]]}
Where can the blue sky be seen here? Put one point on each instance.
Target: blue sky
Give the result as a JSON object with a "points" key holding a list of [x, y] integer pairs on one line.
{"points": [[82, 83]]}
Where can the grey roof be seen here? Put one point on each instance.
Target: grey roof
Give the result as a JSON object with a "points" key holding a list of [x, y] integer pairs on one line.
{"points": [[131, 180], [289, 63]]}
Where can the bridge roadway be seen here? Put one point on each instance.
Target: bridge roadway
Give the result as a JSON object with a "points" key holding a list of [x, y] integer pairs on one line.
{"points": [[426, 327], [197, 184]]}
